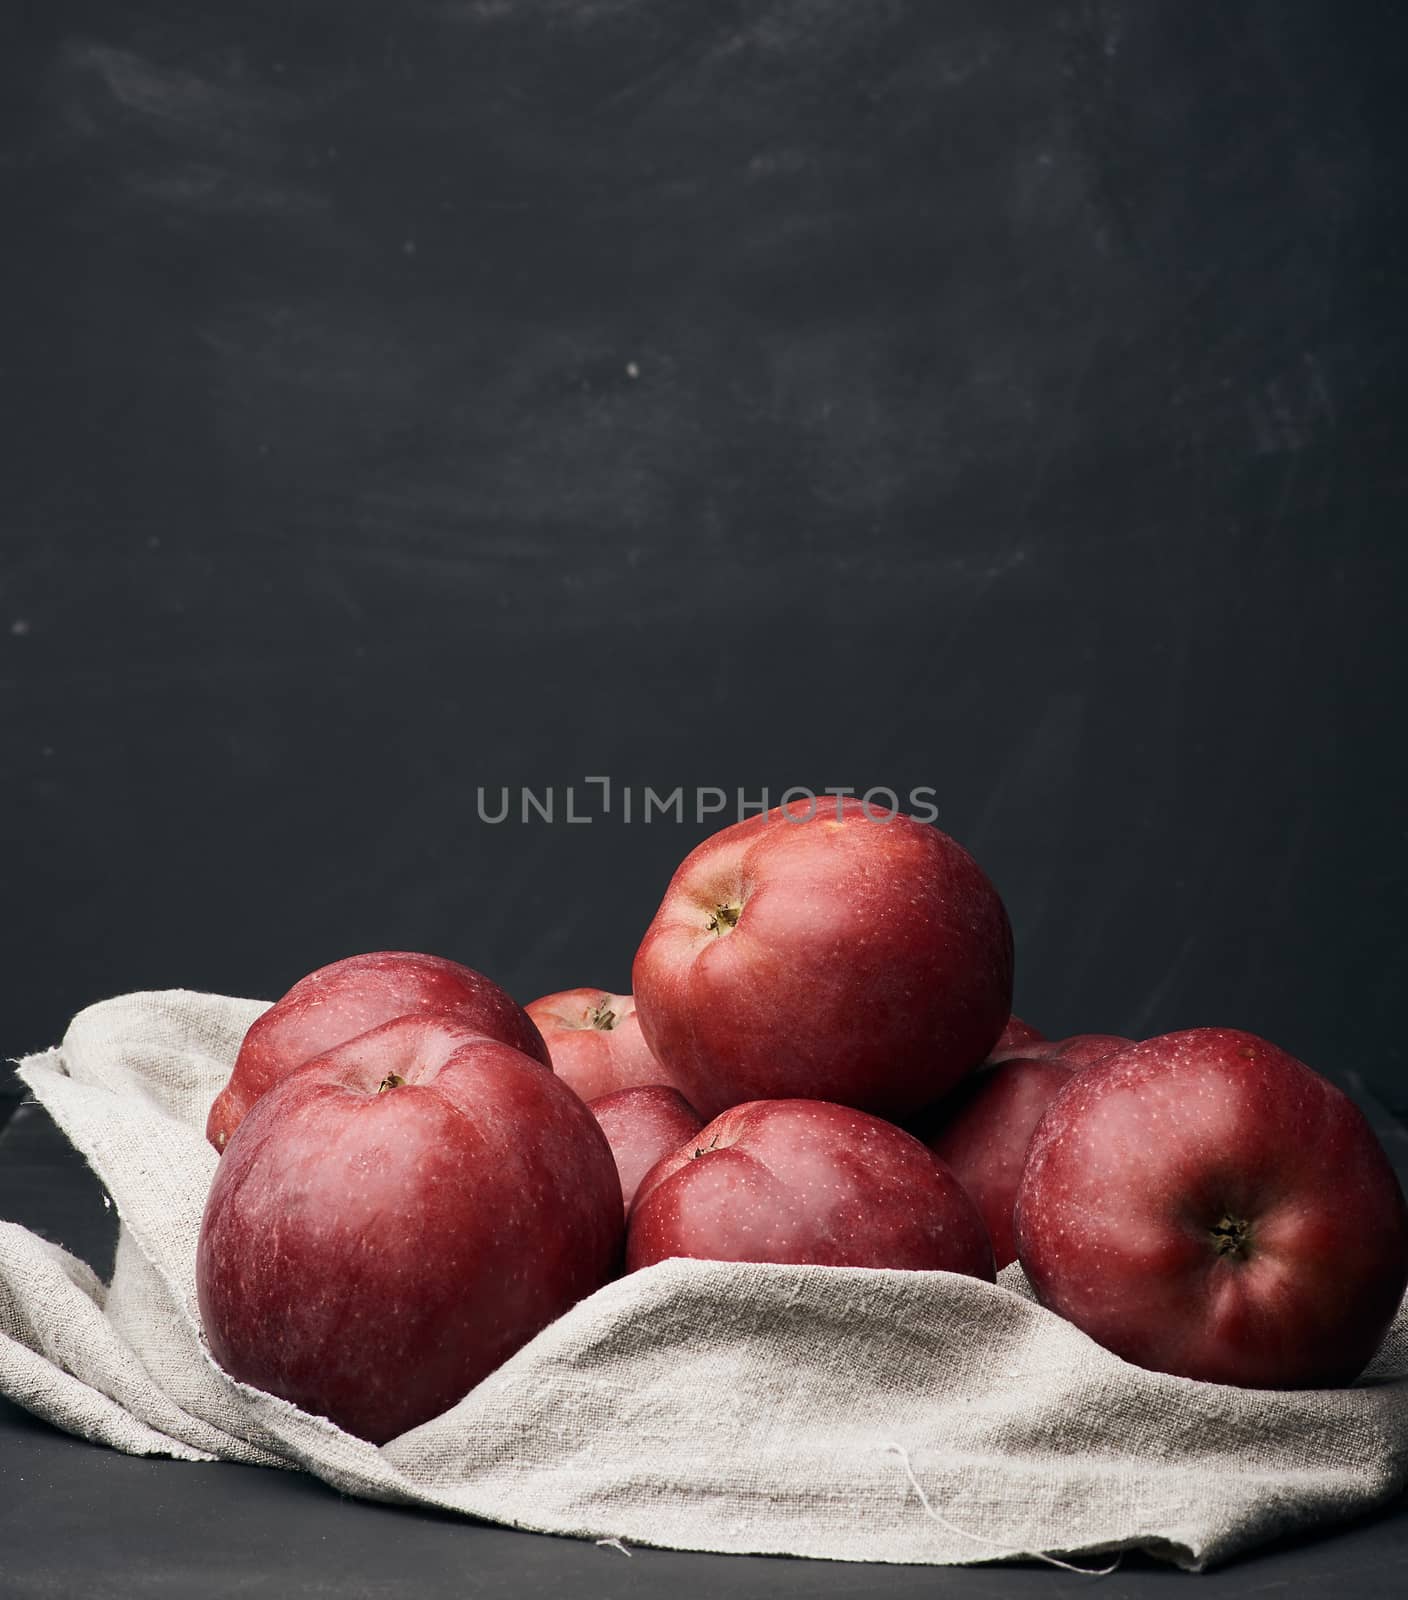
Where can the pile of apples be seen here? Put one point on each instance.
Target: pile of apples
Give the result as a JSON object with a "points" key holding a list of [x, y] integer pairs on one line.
{"points": [[818, 1065]]}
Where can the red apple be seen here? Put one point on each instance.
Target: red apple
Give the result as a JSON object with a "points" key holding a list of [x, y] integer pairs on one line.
{"points": [[397, 1217], [338, 1002], [983, 1132], [804, 1181], [829, 953], [1014, 1039], [642, 1125], [595, 1041], [1205, 1205]]}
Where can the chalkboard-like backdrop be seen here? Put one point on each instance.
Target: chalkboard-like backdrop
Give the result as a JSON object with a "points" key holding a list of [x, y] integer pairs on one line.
{"points": [[1003, 399]]}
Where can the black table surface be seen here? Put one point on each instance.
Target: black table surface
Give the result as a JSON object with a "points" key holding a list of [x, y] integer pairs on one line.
{"points": [[80, 1519]]}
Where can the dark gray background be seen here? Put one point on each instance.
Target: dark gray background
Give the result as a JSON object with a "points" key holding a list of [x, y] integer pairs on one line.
{"points": [[1018, 411]]}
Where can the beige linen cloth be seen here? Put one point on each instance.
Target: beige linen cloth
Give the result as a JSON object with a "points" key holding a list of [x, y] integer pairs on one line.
{"points": [[842, 1413]]}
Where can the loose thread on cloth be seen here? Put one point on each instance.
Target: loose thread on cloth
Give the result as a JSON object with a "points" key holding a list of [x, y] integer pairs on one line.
{"points": [[614, 1544], [977, 1538]]}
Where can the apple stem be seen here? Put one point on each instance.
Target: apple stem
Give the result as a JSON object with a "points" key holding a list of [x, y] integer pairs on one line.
{"points": [[724, 919], [392, 1080], [1231, 1237]]}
